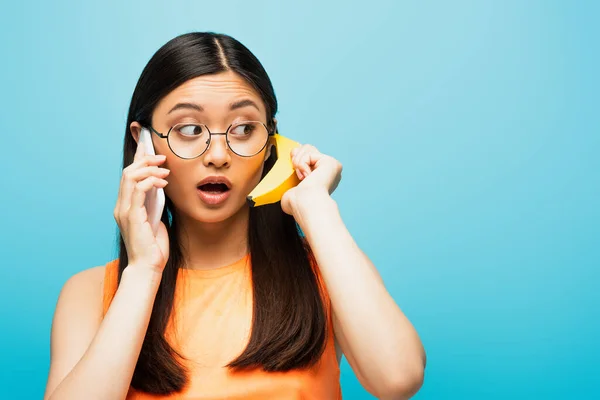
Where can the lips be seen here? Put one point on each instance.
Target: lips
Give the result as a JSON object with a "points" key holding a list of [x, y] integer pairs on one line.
{"points": [[214, 183], [214, 190], [213, 198], [214, 187]]}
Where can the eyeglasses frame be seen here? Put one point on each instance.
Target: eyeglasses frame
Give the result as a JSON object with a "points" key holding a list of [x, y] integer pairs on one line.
{"points": [[210, 135]]}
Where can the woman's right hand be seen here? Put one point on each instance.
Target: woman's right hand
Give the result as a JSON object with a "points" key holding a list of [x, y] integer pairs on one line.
{"points": [[143, 249]]}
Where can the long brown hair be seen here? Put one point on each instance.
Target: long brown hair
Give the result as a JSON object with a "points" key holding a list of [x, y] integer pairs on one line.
{"points": [[289, 323]]}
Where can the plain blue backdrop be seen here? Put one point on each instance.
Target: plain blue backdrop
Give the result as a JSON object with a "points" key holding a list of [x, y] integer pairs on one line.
{"points": [[469, 136]]}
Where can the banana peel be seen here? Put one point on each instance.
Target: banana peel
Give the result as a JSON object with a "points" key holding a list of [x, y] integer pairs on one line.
{"points": [[280, 178]]}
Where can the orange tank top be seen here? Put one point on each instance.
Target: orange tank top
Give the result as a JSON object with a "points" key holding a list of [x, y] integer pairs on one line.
{"points": [[210, 325]]}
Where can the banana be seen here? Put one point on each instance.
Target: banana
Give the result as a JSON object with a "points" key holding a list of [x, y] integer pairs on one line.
{"points": [[280, 178]]}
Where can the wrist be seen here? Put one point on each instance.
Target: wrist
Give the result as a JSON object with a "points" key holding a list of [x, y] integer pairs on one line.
{"points": [[142, 273], [315, 205]]}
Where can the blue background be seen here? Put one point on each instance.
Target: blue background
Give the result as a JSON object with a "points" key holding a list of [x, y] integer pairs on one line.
{"points": [[469, 136]]}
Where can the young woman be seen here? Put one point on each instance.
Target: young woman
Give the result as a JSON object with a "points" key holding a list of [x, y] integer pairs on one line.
{"points": [[226, 301]]}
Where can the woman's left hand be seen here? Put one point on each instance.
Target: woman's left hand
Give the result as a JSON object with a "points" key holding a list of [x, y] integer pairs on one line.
{"points": [[319, 176]]}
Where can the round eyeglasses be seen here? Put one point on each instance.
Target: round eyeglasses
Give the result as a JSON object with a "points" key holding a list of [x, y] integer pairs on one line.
{"points": [[191, 140]]}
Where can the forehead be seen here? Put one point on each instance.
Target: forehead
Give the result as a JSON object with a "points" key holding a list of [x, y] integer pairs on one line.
{"points": [[216, 92]]}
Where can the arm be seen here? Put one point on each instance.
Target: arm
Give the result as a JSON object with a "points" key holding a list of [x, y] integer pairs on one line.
{"points": [[387, 357], [91, 357]]}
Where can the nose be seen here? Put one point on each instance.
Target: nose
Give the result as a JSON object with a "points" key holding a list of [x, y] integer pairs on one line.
{"points": [[217, 154]]}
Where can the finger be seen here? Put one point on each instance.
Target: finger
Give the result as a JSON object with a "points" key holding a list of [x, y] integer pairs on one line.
{"points": [[309, 159], [306, 166], [297, 161], [297, 153], [148, 159], [298, 165], [137, 212], [152, 170], [294, 151], [133, 174]]}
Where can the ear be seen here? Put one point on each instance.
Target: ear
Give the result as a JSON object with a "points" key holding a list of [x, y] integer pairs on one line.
{"points": [[135, 129], [270, 147]]}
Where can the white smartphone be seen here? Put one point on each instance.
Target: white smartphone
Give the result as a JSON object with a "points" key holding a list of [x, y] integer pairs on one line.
{"points": [[155, 197]]}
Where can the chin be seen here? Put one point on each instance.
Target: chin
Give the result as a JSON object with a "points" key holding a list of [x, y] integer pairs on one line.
{"points": [[211, 214]]}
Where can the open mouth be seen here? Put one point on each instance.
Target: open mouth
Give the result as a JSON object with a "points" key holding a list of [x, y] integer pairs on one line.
{"points": [[215, 188]]}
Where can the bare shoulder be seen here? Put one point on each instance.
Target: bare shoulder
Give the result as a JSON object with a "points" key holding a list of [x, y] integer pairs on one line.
{"points": [[77, 316], [82, 293], [90, 276], [86, 283]]}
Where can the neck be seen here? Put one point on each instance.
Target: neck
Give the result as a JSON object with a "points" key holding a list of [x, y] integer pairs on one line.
{"points": [[211, 245]]}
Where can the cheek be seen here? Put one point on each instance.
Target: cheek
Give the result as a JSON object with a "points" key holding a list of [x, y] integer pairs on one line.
{"points": [[162, 147], [251, 171], [178, 178]]}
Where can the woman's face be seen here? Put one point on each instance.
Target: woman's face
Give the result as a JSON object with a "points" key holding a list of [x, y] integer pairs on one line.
{"points": [[213, 95]]}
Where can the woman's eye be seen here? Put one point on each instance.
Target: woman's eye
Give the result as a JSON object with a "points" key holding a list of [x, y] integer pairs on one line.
{"points": [[190, 130], [243, 129]]}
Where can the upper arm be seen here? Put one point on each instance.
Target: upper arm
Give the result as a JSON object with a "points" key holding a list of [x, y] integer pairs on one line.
{"points": [[76, 319]]}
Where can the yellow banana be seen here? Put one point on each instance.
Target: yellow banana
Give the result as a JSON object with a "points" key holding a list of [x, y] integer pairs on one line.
{"points": [[280, 178]]}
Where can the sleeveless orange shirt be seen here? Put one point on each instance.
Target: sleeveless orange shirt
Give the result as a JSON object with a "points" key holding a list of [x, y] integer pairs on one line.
{"points": [[210, 326]]}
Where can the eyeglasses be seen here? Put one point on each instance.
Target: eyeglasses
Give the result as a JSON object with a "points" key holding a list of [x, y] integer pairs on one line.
{"points": [[187, 140]]}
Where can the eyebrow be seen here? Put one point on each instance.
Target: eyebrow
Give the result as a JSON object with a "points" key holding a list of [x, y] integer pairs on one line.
{"points": [[233, 106]]}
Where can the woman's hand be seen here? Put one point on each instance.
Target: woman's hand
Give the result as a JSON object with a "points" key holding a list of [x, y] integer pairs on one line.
{"points": [[143, 248], [319, 173]]}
